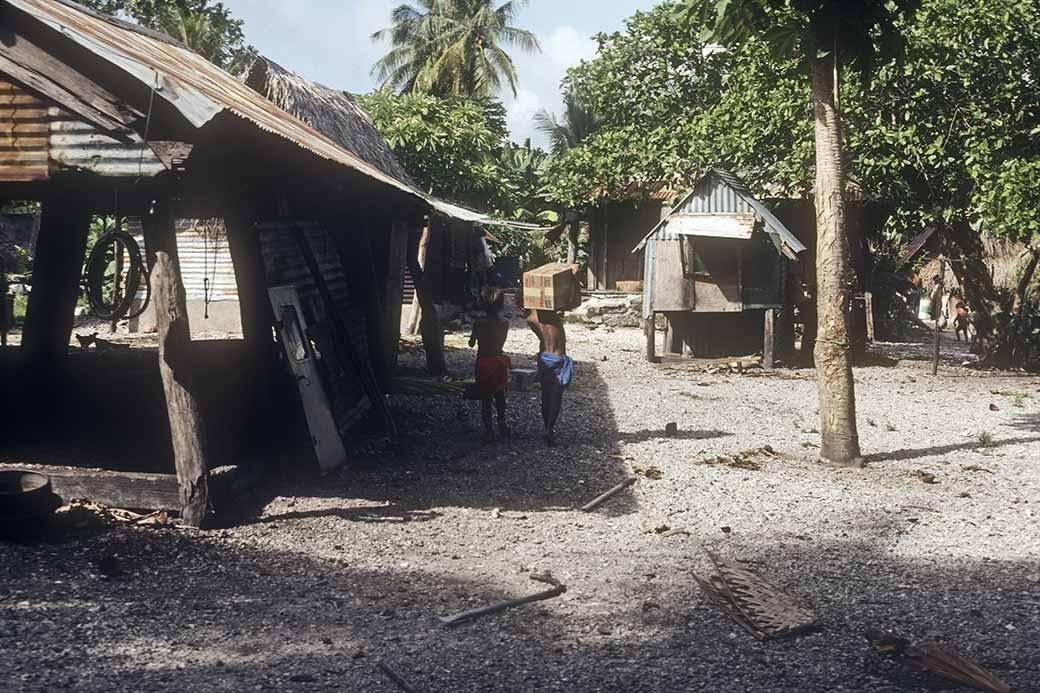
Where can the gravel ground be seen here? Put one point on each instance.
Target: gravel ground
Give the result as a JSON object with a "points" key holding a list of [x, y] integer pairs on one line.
{"points": [[333, 576]]}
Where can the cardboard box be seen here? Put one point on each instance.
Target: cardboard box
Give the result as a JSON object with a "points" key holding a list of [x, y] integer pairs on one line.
{"points": [[552, 287]]}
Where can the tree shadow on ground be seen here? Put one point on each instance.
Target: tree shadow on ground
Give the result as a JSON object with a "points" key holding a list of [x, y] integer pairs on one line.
{"points": [[199, 613], [915, 453]]}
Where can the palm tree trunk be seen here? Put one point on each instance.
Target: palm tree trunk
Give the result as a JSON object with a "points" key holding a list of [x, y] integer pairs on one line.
{"points": [[840, 437]]}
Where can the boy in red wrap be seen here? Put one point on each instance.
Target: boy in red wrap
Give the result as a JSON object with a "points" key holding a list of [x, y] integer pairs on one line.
{"points": [[492, 369]]}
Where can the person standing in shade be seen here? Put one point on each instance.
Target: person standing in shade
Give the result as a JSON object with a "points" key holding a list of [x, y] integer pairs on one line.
{"points": [[555, 367]]}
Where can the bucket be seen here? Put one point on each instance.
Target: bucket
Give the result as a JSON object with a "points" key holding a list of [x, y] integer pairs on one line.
{"points": [[26, 502]]}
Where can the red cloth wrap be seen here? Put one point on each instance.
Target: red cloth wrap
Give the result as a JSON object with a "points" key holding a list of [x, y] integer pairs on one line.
{"points": [[492, 374]]}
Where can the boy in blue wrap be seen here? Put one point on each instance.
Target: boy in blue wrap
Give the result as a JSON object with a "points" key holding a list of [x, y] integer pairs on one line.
{"points": [[555, 367]]}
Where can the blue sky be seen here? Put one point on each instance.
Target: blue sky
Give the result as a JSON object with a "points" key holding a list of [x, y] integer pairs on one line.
{"points": [[328, 41]]}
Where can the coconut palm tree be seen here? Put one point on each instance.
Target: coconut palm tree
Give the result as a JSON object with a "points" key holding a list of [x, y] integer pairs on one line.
{"points": [[578, 122], [827, 35], [452, 47]]}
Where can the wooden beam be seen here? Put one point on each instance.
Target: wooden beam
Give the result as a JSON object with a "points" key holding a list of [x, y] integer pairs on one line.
{"points": [[171, 318], [57, 268], [129, 490], [769, 345]]}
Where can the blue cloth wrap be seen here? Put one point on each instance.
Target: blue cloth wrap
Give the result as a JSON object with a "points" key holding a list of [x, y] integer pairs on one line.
{"points": [[562, 367]]}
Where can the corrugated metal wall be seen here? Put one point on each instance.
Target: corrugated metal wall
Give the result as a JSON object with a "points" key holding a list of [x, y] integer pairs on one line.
{"points": [[80, 146], [286, 265], [24, 131], [38, 137], [204, 254]]}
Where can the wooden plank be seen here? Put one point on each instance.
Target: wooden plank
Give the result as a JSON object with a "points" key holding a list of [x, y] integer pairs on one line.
{"points": [[133, 491], [672, 290], [171, 318], [769, 346], [39, 70], [737, 226]]}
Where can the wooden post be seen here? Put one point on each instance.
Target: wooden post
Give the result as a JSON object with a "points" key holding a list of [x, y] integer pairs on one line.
{"points": [[58, 265], [768, 345], [257, 317], [251, 281], [393, 288], [171, 319], [429, 320], [650, 330], [673, 338], [937, 312], [868, 307]]}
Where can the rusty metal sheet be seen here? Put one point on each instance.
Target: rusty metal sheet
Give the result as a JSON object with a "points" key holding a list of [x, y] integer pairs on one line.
{"points": [[81, 146], [23, 135], [197, 88]]}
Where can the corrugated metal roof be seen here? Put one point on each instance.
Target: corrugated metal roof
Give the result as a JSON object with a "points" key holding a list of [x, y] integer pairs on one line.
{"points": [[197, 88], [721, 192]]}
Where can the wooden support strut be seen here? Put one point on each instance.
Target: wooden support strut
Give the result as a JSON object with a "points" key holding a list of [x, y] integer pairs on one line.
{"points": [[769, 344], [171, 319], [650, 330]]}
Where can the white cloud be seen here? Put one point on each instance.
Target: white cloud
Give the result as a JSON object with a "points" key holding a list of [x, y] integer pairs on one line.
{"points": [[539, 78]]}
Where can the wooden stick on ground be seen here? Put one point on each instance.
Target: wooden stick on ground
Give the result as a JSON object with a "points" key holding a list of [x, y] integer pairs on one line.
{"points": [[401, 682], [600, 500], [558, 588]]}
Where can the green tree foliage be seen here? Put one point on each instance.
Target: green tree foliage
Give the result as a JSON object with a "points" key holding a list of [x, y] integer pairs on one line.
{"points": [[452, 47], [450, 145], [457, 148], [206, 27], [952, 132]]}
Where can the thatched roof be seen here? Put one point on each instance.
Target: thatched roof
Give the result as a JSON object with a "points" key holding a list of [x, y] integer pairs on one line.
{"points": [[1003, 258], [331, 112]]}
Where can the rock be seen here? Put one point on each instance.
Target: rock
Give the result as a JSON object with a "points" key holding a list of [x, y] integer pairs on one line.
{"points": [[303, 678], [671, 429]]}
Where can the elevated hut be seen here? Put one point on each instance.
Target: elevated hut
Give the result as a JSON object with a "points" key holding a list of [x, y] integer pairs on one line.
{"points": [[102, 117], [715, 265]]}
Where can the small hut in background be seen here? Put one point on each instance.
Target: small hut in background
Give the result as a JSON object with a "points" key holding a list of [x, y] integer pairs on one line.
{"points": [[716, 266]]}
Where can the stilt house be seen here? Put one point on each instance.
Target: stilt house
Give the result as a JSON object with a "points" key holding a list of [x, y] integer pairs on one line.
{"points": [[102, 117]]}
